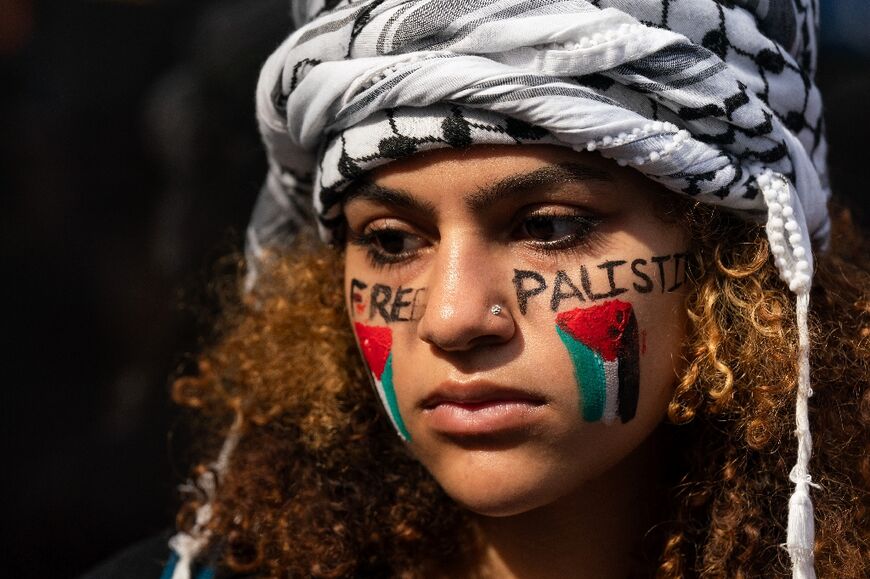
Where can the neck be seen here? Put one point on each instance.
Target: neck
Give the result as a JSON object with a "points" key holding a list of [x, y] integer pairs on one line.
{"points": [[594, 532]]}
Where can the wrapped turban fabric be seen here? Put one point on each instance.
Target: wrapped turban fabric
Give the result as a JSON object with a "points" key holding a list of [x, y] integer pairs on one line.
{"points": [[711, 98]]}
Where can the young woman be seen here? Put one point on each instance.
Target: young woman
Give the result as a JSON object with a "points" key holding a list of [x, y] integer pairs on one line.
{"points": [[581, 250]]}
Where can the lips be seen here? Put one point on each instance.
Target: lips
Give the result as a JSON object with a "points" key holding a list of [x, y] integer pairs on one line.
{"points": [[476, 393], [480, 408]]}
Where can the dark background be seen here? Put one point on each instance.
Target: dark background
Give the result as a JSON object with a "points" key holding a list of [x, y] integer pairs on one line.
{"points": [[129, 161]]}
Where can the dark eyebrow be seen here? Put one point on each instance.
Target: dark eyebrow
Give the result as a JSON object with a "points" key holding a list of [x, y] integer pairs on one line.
{"points": [[486, 196], [524, 182], [368, 191]]}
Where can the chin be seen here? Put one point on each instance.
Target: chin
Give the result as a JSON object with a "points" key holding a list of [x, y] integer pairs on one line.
{"points": [[506, 508], [502, 502], [504, 488]]}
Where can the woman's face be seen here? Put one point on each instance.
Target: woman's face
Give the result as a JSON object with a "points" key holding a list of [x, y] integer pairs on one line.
{"points": [[520, 310]]}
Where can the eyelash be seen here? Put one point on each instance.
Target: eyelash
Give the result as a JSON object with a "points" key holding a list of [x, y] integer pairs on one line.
{"points": [[586, 238], [378, 260], [583, 240]]}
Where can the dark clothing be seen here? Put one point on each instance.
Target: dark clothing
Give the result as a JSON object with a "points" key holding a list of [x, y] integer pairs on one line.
{"points": [[144, 560], [150, 559]]}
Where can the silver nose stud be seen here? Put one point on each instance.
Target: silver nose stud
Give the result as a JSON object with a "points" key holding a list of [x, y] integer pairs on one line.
{"points": [[495, 310]]}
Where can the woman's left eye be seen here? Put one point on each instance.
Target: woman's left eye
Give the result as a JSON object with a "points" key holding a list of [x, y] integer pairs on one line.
{"points": [[556, 231]]}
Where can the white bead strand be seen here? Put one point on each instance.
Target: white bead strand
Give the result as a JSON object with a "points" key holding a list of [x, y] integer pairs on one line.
{"points": [[786, 236]]}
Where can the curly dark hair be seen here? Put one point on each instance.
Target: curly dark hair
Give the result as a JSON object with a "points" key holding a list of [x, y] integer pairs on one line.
{"points": [[320, 485]]}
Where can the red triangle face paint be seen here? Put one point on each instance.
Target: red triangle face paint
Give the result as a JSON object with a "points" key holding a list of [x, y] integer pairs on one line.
{"points": [[376, 343], [600, 327]]}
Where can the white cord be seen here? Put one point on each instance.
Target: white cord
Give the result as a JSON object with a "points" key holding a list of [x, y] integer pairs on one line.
{"points": [[188, 545], [789, 244], [801, 527]]}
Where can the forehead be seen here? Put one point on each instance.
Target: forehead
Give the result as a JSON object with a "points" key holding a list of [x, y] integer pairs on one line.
{"points": [[480, 164], [486, 174]]}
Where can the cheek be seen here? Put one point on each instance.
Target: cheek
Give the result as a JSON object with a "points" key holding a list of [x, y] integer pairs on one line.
{"points": [[662, 321], [603, 343], [379, 312], [376, 344], [619, 322]]}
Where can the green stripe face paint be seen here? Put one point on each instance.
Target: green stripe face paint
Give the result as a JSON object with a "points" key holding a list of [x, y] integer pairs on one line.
{"points": [[589, 373], [602, 342], [376, 343]]}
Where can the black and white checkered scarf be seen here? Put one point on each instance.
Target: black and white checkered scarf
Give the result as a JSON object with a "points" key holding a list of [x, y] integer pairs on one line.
{"points": [[702, 95], [712, 98]]}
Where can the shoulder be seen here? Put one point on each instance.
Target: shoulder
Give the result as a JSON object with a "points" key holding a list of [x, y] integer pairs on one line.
{"points": [[146, 559]]}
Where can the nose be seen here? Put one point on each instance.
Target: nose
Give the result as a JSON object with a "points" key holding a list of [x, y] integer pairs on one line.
{"points": [[464, 285]]}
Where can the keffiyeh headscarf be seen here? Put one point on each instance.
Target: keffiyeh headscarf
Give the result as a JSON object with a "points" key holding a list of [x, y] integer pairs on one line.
{"points": [[711, 98]]}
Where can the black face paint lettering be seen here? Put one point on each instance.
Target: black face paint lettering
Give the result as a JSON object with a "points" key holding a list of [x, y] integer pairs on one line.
{"points": [[564, 288], [610, 266], [559, 295], [660, 261], [524, 294], [398, 304], [356, 284], [417, 303], [612, 289], [401, 304], [678, 259], [586, 282], [647, 281], [380, 298], [357, 302]]}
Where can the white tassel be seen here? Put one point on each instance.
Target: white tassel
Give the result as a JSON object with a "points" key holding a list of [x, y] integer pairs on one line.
{"points": [[801, 531], [790, 247], [189, 545]]}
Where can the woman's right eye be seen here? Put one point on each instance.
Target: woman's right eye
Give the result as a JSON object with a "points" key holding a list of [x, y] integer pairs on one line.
{"points": [[388, 245]]}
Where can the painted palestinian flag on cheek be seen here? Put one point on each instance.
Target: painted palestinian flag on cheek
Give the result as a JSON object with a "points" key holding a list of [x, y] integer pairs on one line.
{"points": [[376, 343], [603, 344]]}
